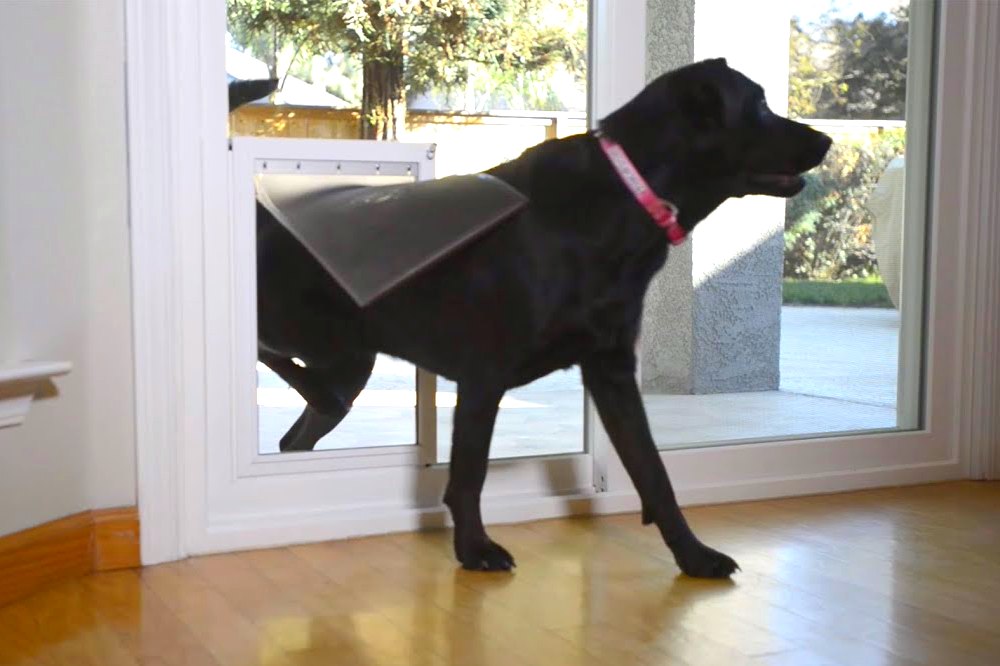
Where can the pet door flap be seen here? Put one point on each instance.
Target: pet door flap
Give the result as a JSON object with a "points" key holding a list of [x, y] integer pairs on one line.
{"points": [[370, 239]]}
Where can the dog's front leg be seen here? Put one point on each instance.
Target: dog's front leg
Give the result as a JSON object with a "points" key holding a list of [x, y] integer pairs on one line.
{"points": [[610, 378], [475, 414]]}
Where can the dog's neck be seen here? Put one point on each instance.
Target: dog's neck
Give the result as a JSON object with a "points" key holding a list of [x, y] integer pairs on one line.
{"points": [[662, 211], [671, 174], [664, 178]]}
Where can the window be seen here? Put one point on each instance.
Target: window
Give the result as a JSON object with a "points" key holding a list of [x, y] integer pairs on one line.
{"points": [[801, 318], [517, 75]]}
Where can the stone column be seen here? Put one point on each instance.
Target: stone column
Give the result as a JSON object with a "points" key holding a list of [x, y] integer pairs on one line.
{"points": [[666, 343], [712, 322]]}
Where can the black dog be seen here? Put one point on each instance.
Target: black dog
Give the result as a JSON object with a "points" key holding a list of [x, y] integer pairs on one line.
{"points": [[560, 283]]}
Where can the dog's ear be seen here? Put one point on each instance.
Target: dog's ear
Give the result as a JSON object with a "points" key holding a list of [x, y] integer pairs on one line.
{"points": [[702, 104], [243, 92]]}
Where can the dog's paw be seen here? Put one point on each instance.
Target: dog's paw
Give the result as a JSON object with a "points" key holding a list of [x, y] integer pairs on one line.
{"points": [[486, 556], [699, 561]]}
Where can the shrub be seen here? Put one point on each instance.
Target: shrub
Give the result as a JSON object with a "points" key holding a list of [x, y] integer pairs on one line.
{"points": [[828, 228]]}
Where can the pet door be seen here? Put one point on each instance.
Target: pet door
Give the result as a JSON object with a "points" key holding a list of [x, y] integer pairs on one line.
{"points": [[400, 405], [385, 414]]}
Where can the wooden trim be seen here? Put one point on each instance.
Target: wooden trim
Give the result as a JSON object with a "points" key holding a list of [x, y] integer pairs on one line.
{"points": [[67, 548], [42, 555], [115, 539]]}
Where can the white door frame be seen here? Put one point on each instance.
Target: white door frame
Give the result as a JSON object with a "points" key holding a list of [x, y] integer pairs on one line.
{"points": [[740, 471], [976, 209], [176, 103]]}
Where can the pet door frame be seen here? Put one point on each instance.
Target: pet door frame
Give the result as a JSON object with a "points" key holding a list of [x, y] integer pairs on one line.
{"points": [[332, 483], [251, 156]]}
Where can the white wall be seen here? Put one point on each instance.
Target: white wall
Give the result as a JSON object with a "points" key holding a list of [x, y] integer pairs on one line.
{"points": [[64, 256]]}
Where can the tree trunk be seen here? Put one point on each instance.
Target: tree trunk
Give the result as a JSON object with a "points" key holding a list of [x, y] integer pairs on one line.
{"points": [[383, 98], [272, 55]]}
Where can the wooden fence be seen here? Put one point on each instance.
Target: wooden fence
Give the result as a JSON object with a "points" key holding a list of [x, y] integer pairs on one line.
{"points": [[466, 142]]}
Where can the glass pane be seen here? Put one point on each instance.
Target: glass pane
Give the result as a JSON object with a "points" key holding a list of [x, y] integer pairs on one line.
{"points": [[794, 328], [500, 113], [516, 76], [384, 414], [543, 418]]}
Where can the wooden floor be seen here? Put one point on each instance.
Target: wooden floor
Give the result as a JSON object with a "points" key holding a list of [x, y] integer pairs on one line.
{"points": [[904, 576]]}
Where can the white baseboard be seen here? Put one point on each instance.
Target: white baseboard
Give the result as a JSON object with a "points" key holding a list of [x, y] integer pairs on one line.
{"points": [[821, 484], [275, 530]]}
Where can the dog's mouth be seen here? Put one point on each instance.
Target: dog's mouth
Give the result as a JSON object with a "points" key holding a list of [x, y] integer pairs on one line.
{"points": [[776, 184]]}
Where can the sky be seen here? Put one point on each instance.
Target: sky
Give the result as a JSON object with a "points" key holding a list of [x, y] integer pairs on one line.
{"points": [[811, 10]]}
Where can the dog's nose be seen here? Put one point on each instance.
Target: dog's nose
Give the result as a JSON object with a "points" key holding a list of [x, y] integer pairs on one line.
{"points": [[824, 144], [816, 150]]}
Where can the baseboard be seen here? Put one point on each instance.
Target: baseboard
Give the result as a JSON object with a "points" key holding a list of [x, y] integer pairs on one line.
{"points": [[267, 530], [233, 533], [67, 548], [116, 539], [46, 554]]}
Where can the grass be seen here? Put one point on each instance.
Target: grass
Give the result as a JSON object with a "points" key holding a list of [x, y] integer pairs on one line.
{"points": [[866, 293]]}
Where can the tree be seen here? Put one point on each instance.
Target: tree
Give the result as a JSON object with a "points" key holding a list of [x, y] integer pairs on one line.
{"points": [[852, 69], [404, 45], [814, 80], [873, 65]]}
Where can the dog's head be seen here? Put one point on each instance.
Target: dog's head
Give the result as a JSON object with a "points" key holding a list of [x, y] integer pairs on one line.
{"points": [[244, 92], [705, 133]]}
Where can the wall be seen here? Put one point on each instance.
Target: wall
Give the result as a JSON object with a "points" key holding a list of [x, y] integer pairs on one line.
{"points": [[64, 256]]}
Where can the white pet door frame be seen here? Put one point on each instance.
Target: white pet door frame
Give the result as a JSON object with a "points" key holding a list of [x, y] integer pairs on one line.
{"points": [[258, 500], [369, 162]]}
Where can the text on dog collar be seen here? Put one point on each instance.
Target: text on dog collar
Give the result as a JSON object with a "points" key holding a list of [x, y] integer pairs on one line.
{"points": [[663, 212]]}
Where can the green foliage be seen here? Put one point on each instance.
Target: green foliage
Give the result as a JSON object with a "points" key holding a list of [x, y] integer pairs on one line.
{"points": [[406, 47], [850, 68], [810, 80], [828, 226], [846, 293], [551, 78]]}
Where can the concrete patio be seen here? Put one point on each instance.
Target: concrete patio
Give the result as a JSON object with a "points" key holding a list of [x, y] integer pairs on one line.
{"points": [[838, 374]]}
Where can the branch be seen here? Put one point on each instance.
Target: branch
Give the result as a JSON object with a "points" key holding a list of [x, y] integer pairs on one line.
{"points": [[298, 49]]}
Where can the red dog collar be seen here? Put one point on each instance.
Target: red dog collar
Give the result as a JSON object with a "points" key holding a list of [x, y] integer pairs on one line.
{"points": [[663, 212]]}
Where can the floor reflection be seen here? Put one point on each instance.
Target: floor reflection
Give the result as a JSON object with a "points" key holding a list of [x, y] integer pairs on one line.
{"points": [[881, 577]]}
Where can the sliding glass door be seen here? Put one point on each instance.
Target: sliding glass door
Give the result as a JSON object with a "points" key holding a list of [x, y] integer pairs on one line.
{"points": [[804, 318]]}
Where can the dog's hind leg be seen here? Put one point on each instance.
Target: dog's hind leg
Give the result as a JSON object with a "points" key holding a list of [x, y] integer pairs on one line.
{"points": [[310, 427], [329, 392], [475, 414], [610, 378]]}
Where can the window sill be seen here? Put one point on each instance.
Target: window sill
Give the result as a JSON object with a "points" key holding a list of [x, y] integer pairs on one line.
{"points": [[20, 383]]}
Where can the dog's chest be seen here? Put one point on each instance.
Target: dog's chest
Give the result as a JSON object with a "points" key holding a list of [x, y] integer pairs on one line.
{"points": [[606, 317]]}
